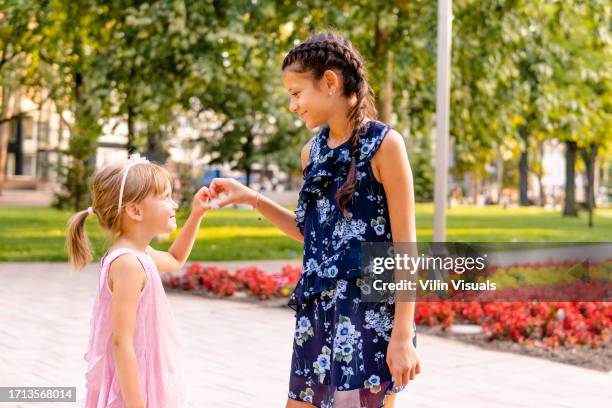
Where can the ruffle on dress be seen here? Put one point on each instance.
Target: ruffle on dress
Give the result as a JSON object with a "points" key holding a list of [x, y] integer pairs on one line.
{"points": [[327, 167]]}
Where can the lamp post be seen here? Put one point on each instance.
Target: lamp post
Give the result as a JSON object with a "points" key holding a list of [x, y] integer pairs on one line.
{"points": [[442, 113]]}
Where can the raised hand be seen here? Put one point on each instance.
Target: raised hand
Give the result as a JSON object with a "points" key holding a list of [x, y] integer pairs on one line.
{"points": [[229, 191], [201, 202]]}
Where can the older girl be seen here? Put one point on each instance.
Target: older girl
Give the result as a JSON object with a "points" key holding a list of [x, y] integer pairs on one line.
{"points": [[347, 353]]}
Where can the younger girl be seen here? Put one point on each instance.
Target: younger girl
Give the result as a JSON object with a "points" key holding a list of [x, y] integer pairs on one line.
{"points": [[132, 353], [347, 353]]}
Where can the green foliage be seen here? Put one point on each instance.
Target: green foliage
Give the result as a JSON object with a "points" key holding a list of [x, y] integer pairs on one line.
{"points": [[422, 169], [530, 68]]}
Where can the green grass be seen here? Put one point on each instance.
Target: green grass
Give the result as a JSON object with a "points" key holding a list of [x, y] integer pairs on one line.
{"points": [[37, 234]]}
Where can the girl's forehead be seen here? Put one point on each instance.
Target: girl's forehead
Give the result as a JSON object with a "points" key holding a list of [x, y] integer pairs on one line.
{"points": [[295, 79]]}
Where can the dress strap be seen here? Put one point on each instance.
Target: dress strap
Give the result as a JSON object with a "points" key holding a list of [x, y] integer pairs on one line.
{"points": [[109, 257], [371, 141]]}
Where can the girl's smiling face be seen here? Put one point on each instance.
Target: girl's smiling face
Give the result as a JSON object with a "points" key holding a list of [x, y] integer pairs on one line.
{"points": [[310, 98], [159, 211]]}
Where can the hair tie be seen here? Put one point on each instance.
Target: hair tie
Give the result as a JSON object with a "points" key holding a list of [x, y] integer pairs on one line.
{"points": [[132, 161], [89, 210]]}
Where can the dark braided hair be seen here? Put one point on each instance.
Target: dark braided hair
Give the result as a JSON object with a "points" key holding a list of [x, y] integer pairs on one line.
{"points": [[329, 50]]}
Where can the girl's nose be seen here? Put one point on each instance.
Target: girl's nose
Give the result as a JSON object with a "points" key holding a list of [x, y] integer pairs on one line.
{"points": [[293, 106]]}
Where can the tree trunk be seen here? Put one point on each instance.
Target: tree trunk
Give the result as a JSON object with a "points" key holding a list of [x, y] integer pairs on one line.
{"points": [[4, 134], [540, 174], [131, 138], [569, 208], [589, 155], [247, 157], [78, 96], [523, 166], [542, 192], [155, 148], [248, 172], [384, 102], [499, 176], [384, 98], [605, 171]]}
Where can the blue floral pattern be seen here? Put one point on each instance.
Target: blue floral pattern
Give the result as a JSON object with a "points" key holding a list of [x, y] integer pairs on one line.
{"points": [[340, 341]]}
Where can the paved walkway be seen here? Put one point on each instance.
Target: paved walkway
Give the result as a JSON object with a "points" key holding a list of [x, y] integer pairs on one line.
{"points": [[238, 354]]}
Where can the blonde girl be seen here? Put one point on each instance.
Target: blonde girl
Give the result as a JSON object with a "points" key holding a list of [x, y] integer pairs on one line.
{"points": [[132, 353]]}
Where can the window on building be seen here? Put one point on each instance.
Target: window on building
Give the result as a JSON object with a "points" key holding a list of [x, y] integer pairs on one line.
{"points": [[29, 165], [27, 127], [43, 132], [10, 165], [42, 165], [14, 131]]}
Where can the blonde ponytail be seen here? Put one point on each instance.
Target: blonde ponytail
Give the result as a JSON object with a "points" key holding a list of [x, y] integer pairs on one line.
{"points": [[79, 249]]}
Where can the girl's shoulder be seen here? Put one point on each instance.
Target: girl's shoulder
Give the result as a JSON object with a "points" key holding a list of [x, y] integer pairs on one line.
{"points": [[375, 134], [128, 269], [137, 258], [375, 127]]}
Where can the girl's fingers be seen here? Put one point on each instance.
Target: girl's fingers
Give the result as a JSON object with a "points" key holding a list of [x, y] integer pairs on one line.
{"points": [[216, 187], [417, 370], [406, 377], [412, 373], [204, 193], [225, 201], [399, 379], [212, 189]]}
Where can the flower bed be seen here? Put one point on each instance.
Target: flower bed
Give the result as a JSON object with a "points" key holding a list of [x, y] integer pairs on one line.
{"points": [[221, 282], [573, 314], [546, 324]]}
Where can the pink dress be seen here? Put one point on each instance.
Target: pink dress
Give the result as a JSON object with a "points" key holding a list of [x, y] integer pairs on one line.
{"points": [[155, 344]]}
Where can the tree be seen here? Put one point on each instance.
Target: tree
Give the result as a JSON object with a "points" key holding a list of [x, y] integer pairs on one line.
{"points": [[19, 34], [583, 86], [61, 67]]}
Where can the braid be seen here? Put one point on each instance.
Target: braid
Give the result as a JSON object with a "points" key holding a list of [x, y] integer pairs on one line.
{"points": [[329, 50]]}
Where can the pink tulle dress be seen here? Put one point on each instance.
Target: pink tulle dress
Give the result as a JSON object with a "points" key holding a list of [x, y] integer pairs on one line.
{"points": [[155, 344]]}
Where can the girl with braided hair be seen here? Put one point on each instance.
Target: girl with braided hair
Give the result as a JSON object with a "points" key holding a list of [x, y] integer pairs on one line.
{"points": [[347, 352]]}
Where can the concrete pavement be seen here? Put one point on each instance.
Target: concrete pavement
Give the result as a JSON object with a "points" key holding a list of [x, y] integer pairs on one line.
{"points": [[237, 354]]}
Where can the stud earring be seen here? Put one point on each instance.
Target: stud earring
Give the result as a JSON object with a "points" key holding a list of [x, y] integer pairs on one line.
{"points": [[331, 93]]}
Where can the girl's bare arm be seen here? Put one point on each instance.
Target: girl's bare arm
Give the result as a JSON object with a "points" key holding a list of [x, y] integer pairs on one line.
{"points": [[278, 215], [126, 280]]}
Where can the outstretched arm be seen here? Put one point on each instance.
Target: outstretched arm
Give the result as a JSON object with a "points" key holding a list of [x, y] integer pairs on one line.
{"points": [[278, 215]]}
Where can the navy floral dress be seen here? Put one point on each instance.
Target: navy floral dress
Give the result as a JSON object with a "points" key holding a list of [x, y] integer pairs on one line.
{"points": [[340, 342]]}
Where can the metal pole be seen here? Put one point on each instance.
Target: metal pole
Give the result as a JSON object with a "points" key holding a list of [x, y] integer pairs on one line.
{"points": [[442, 112]]}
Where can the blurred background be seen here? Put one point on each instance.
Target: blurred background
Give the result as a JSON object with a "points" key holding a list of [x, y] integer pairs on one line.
{"points": [[196, 85]]}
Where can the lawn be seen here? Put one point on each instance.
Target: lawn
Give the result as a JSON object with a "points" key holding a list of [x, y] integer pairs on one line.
{"points": [[37, 234]]}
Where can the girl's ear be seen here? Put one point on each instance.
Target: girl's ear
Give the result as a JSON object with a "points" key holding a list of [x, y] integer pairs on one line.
{"points": [[134, 211], [331, 81]]}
